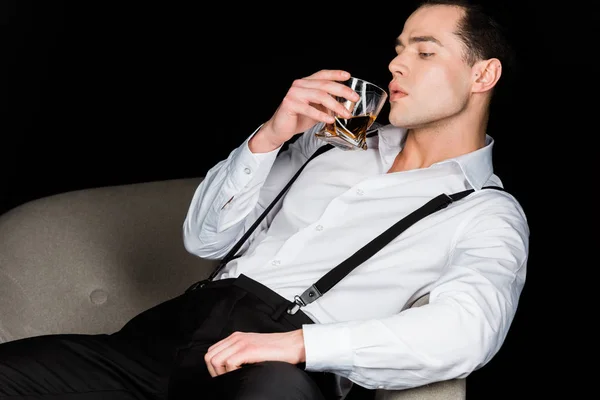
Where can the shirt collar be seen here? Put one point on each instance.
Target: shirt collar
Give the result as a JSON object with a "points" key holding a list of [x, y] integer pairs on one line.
{"points": [[476, 166]]}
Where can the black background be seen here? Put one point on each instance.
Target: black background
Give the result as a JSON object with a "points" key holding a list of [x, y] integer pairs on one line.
{"points": [[107, 93]]}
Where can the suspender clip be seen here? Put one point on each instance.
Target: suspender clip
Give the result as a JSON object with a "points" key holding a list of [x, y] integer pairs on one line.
{"points": [[309, 295]]}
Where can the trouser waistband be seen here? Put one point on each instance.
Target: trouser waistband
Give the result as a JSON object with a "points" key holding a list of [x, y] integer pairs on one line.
{"points": [[278, 303]]}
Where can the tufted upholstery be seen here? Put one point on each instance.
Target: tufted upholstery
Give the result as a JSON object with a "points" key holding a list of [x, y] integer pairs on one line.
{"points": [[87, 261]]}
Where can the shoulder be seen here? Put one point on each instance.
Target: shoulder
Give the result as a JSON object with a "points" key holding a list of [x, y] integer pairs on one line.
{"points": [[493, 210]]}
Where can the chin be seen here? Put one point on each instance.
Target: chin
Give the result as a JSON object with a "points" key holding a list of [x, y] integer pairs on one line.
{"points": [[399, 122], [393, 119], [397, 117], [403, 120]]}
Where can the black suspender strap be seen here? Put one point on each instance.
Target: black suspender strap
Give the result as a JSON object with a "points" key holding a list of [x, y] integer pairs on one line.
{"points": [[231, 254], [336, 274]]}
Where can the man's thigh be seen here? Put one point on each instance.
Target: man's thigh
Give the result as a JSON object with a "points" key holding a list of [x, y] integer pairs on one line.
{"points": [[77, 367], [267, 380], [133, 363]]}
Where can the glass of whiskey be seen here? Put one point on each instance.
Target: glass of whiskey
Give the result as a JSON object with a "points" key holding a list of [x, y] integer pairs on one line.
{"points": [[350, 133]]}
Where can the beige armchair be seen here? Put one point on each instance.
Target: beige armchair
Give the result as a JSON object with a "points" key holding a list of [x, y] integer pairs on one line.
{"points": [[87, 261]]}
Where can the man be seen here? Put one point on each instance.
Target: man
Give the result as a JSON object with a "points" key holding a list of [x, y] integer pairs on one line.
{"points": [[259, 329]]}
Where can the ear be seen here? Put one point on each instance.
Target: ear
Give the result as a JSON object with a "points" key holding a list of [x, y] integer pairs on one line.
{"points": [[486, 74]]}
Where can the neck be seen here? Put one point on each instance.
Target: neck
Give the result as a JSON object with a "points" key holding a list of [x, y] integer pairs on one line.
{"points": [[425, 146]]}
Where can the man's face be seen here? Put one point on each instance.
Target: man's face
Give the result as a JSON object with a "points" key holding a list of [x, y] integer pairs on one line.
{"points": [[430, 79]]}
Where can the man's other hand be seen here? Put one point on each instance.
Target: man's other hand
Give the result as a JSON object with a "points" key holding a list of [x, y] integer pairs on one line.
{"points": [[241, 348]]}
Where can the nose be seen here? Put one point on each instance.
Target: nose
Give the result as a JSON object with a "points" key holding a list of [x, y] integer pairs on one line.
{"points": [[397, 66]]}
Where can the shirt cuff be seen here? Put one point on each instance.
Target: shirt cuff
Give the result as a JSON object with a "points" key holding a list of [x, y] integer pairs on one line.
{"points": [[248, 166], [328, 348]]}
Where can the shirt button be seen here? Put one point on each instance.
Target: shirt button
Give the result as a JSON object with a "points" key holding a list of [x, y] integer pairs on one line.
{"points": [[319, 227], [360, 192], [275, 262], [247, 170]]}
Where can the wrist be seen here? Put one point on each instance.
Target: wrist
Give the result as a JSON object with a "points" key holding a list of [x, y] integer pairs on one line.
{"points": [[301, 348], [262, 141]]}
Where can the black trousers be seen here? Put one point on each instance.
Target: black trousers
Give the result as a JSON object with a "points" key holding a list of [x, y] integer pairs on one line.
{"points": [[159, 354]]}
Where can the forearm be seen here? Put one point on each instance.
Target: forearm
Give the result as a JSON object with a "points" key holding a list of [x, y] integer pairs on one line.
{"points": [[262, 141], [224, 200], [460, 330], [402, 352], [470, 310]]}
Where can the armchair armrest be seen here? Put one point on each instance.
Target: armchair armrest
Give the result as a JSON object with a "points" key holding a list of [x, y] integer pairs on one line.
{"points": [[87, 261]]}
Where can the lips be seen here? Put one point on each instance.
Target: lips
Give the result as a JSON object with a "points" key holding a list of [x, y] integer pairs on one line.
{"points": [[396, 91]]}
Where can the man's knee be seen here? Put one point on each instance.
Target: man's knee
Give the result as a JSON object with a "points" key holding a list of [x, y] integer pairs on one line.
{"points": [[268, 380]]}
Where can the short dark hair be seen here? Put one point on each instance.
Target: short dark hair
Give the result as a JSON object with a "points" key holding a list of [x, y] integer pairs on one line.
{"points": [[482, 34]]}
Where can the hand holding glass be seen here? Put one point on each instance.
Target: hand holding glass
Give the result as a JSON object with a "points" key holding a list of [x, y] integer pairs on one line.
{"points": [[351, 133]]}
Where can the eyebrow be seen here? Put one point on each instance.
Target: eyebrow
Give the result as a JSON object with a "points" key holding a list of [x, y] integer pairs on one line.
{"points": [[419, 39]]}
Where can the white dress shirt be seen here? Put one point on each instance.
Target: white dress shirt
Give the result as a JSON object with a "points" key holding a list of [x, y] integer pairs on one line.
{"points": [[470, 257]]}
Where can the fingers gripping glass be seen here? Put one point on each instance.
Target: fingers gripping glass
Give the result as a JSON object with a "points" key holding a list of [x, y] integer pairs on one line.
{"points": [[350, 133]]}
